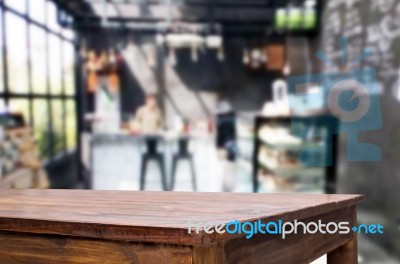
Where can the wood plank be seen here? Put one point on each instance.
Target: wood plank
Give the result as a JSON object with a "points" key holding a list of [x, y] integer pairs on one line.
{"points": [[159, 217], [39, 249], [295, 249], [346, 253], [209, 254]]}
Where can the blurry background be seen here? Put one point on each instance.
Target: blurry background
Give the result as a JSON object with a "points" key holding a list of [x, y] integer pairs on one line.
{"points": [[78, 80]]}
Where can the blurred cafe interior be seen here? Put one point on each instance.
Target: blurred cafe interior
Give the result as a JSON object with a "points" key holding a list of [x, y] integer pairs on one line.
{"points": [[193, 95]]}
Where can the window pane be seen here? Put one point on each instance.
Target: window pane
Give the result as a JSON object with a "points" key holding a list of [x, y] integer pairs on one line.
{"points": [[1, 55], [71, 128], [52, 16], [17, 54], [41, 127], [19, 5], [38, 55], [67, 33], [37, 10], [20, 106], [58, 126], [55, 64], [69, 80]]}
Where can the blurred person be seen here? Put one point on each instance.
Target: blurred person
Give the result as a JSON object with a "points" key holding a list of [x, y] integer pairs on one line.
{"points": [[148, 118]]}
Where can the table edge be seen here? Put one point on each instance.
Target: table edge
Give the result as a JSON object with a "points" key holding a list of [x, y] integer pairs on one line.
{"points": [[143, 234]]}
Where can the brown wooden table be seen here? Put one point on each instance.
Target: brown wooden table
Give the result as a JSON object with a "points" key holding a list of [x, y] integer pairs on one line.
{"points": [[74, 226]]}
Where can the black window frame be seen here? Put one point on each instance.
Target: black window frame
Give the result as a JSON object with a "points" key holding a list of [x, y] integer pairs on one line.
{"points": [[30, 96]]}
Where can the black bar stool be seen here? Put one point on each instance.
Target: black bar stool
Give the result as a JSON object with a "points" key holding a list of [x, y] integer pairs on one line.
{"points": [[152, 154], [183, 153]]}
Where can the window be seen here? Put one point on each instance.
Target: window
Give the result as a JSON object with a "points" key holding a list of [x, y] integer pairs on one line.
{"points": [[18, 5], [55, 64], [58, 131], [37, 10], [52, 17], [17, 55], [40, 78], [21, 106], [41, 127], [71, 129], [68, 59], [38, 60], [68, 34], [1, 54]]}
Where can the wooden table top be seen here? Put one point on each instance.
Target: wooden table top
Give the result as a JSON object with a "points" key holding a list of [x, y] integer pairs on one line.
{"points": [[159, 217]]}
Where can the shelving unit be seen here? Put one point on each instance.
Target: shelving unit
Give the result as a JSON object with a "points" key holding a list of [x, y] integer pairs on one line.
{"points": [[284, 138]]}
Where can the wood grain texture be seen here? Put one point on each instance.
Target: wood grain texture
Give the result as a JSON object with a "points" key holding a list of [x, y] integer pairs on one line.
{"points": [[295, 249], [209, 254], [21, 248], [60, 226], [50, 249], [348, 252], [157, 217]]}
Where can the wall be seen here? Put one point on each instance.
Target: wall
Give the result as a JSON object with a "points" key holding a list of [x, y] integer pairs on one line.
{"points": [[373, 24]]}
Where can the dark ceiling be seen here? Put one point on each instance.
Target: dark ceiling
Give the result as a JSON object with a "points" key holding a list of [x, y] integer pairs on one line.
{"points": [[231, 15]]}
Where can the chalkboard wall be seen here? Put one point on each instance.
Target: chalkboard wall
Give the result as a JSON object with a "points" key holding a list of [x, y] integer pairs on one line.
{"points": [[374, 25]]}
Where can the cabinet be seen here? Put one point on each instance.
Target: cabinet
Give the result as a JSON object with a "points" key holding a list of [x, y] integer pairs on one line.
{"points": [[296, 154]]}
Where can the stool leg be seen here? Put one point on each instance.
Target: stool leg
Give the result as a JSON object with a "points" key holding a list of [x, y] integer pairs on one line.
{"points": [[160, 159], [143, 171], [174, 165], [193, 173]]}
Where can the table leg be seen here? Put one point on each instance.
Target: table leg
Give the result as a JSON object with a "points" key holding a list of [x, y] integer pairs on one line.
{"points": [[208, 254], [346, 253]]}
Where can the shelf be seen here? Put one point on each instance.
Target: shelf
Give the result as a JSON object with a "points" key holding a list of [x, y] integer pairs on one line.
{"points": [[295, 190], [275, 184], [293, 171], [279, 151], [291, 146]]}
